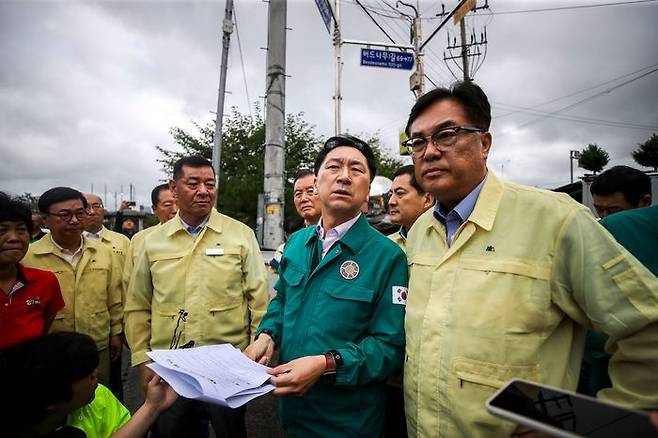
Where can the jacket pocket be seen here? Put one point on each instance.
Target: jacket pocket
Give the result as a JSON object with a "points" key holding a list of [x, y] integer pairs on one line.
{"points": [[342, 312], [505, 295], [293, 277], [471, 383]]}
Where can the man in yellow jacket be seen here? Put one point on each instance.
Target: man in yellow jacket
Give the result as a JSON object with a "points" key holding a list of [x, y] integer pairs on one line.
{"points": [[118, 244], [199, 280], [505, 280], [164, 208], [406, 202], [88, 276]]}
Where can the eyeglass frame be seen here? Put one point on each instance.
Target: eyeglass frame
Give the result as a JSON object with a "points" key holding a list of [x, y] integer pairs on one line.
{"points": [[439, 146], [68, 215]]}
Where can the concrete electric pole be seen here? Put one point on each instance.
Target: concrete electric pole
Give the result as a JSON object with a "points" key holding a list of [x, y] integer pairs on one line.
{"points": [[227, 28], [274, 125], [338, 61]]}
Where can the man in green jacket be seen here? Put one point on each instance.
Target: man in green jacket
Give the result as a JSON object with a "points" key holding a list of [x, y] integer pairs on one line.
{"points": [[338, 314]]}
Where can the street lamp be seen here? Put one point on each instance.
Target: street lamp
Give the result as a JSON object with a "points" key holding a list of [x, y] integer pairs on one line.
{"points": [[573, 155]]}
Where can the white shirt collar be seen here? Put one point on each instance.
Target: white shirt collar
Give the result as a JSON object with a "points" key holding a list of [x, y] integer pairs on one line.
{"points": [[335, 234]]}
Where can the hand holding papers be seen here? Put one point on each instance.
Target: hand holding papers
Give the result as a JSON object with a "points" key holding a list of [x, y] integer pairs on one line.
{"points": [[218, 374]]}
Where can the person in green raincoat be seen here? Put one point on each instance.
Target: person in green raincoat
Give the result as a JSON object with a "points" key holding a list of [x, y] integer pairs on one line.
{"points": [[338, 316]]}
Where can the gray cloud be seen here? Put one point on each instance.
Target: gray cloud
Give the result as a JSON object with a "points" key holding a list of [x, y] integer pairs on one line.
{"points": [[88, 88]]}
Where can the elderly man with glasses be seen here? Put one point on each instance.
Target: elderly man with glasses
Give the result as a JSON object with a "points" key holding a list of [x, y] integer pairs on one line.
{"points": [[505, 280], [89, 277]]}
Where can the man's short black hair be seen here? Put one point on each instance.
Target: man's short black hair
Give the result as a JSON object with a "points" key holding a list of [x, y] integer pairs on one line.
{"points": [[13, 210], [632, 183], [194, 161], [350, 141], [302, 173], [469, 95], [38, 373], [59, 194], [409, 170], [155, 193]]}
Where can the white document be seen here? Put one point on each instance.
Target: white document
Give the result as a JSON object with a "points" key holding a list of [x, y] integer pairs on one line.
{"points": [[218, 374]]}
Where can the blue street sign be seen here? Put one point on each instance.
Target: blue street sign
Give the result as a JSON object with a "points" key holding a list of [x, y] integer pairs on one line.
{"points": [[325, 11], [387, 59]]}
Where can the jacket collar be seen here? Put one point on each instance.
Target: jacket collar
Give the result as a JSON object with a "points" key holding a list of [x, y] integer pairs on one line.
{"points": [[175, 225], [353, 239], [46, 245], [486, 206]]}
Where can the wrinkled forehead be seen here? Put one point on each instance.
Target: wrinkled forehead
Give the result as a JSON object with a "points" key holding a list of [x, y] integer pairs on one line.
{"points": [[346, 155], [202, 172], [304, 182], [70, 204], [440, 114], [93, 199]]}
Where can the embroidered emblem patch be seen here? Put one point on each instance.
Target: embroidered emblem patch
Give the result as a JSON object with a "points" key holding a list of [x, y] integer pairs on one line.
{"points": [[349, 270], [490, 248], [400, 295]]}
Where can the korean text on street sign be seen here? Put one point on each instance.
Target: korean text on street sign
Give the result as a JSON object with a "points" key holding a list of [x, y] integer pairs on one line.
{"points": [[384, 58], [325, 12]]}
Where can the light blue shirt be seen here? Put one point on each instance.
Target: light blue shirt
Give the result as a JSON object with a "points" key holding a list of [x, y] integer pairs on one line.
{"points": [[194, 231], [453, 219]]}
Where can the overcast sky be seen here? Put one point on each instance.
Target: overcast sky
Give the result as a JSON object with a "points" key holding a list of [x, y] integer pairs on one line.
{"points": [[87, 89]]}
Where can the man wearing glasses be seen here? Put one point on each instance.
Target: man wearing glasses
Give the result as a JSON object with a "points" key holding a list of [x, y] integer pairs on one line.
{"points": [[89, 277], [505, 279]]}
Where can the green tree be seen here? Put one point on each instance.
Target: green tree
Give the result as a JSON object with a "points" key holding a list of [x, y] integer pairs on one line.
{"points": [[593, 158], [386, 164], [647, 153], [243, 151], [29, 199]]}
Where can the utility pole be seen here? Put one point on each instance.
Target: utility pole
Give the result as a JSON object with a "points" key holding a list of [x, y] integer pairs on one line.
{"points": [[417, 80], [468, 49], [462, 29], [274, 125], [227, 28], [338, 61]]}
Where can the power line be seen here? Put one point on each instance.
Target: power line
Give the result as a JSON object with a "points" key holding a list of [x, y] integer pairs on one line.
{"points": [[580, 91], [587, 99], [565, 8], [375, 21], [244, 73], [578, 119]]}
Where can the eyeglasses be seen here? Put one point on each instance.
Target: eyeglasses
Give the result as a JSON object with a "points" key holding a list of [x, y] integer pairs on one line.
{"points": [[95, 206], [443, 139], [67, 215]]}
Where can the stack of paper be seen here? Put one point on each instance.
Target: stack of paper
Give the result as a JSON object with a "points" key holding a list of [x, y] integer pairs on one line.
{"points": [[218, 374]]}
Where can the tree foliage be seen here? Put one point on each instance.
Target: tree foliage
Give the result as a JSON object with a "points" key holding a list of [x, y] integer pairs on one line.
{"points": [[646, 154], [243, 152], [593, 158], [30, 200]]}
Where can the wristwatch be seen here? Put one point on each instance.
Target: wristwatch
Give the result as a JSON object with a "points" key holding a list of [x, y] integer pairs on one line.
{"points": [[333, 361]]}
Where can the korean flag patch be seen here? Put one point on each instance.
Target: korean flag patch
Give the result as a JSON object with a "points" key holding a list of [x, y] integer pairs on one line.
{"points": [[400, 295]]}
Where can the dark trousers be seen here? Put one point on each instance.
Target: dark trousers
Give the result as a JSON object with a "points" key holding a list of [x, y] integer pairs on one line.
{"points": [[189, 418], [116, 378], [395, 424]]}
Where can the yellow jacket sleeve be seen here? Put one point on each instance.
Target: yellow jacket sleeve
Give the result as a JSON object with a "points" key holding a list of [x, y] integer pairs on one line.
{"points": [[115, 298], [138, 310], [603, 287], [255, 285]]}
